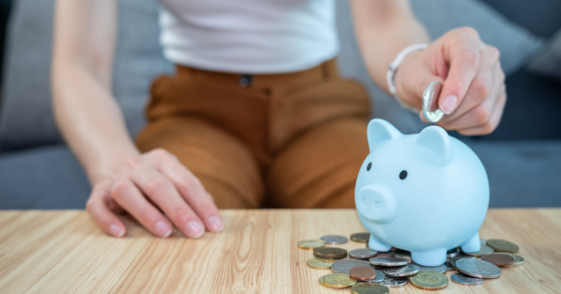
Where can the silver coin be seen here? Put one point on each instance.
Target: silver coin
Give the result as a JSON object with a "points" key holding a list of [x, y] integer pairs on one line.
{"points": [[466, 280], [402, 254], [389, 261], [345, 265], [430, 102], [362, 253], [379, 277], [439, 268], [394, 282], [401, 271], [453, 260], [448, 266], [483, 251], [478, 268], [334, 239], [518, 260], [452, 252]]}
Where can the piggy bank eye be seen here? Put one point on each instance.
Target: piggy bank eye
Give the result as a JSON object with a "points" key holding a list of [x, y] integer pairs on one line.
{"points": [[369, 166], [403, 174]]}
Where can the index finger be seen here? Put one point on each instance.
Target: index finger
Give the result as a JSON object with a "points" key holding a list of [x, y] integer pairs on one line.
{"points": [[462, 54]]}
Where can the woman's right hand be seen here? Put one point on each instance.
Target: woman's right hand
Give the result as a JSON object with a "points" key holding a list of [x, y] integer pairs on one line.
{"points": [[159, 192]]}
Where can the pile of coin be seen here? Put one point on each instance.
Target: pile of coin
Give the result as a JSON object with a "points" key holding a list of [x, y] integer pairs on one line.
{"points": [[364, 270]]}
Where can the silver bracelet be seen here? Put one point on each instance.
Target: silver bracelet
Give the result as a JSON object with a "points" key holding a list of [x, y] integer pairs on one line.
{"points": [[390, 75]]}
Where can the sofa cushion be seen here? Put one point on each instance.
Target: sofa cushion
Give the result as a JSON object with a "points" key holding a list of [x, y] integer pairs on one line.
{"points": [[42, 178], [26, 117]]}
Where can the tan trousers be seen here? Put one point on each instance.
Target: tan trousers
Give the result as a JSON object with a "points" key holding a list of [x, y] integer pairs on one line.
{"points": [[285, 140]]}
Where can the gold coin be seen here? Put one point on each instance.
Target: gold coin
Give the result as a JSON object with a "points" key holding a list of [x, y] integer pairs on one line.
{"points": [[320, 263], [429, 280], [369, 288], [338, 280], [518, 260], [310, 244], [502, 245]]}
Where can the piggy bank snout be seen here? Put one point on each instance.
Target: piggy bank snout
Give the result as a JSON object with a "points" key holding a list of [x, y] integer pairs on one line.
{"points": [[377, 203]]}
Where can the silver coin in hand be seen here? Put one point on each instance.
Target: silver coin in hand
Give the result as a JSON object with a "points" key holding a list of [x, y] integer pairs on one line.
{"points": [[430, 102]]}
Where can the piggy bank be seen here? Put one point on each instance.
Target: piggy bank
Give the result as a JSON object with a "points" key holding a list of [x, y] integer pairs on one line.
{"points": [[426, 193]]}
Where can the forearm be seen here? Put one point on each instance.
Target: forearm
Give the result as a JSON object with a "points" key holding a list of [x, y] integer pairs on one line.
{"points": [[90, 121], [86, 112], [384, 28]]}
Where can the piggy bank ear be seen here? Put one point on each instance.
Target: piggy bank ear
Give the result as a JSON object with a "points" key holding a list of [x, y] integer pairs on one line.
{"points": [[435, 139], [379, 131]]}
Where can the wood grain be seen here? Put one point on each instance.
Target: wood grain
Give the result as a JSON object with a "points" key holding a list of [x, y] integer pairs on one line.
{"points": [[64, 252]]}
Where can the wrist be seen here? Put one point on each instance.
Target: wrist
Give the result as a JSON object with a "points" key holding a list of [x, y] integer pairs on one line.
{"points": [[393, 69], [109, 163]]}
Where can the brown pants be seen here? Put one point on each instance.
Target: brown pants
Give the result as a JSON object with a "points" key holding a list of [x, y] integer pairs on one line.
{"points": [[286, 140]]}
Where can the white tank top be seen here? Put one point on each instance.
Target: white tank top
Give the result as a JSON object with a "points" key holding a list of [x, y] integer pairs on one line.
{"points": [[249, 36]]}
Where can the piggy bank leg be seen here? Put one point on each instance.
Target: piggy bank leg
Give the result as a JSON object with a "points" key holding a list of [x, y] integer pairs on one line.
{"points": [[473, 245], [429, 257], [378, 245]]}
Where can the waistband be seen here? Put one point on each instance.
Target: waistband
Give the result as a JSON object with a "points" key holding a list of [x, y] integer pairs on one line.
{"points": [[320, 72]]}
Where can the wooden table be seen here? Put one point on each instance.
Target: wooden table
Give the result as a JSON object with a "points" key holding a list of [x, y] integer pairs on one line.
{"points": [[64, 252]]}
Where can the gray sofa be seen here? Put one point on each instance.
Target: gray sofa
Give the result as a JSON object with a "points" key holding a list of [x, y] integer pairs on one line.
{"points": [[38, 171]]}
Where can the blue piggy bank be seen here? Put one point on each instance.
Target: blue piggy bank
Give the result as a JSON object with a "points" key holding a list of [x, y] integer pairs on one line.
{"points": [[425, 193]]}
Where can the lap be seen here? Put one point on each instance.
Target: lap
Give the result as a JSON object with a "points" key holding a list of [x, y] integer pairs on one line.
{"points": [[318, 169], [225, 166]]}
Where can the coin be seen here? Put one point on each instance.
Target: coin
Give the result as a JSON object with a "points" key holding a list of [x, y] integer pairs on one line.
{"points": [[320, 263], [402, 254], [394, 282], [363, 273], [429, 280], [337, 280], [360, 237], [439, 268], [401, 271], [380, 276], [484, 250], [502, 245], [362, 253], [345, 265], [369, 288], [334, 239], [483, 241], [518, 260], [389, 261], [454, 259], [452, 252], [498, 259], [330, 252], [478, 268], [465, 280], [430, 102], [448, 266], [311, 244]]}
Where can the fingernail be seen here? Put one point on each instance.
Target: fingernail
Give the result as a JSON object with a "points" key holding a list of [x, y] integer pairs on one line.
{"points": [[215, 223], [194, 229], [116, 231], [163, 229], [448, 104]]}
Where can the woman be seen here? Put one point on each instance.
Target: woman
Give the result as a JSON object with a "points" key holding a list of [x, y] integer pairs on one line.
{"points": [[255, 113]]}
